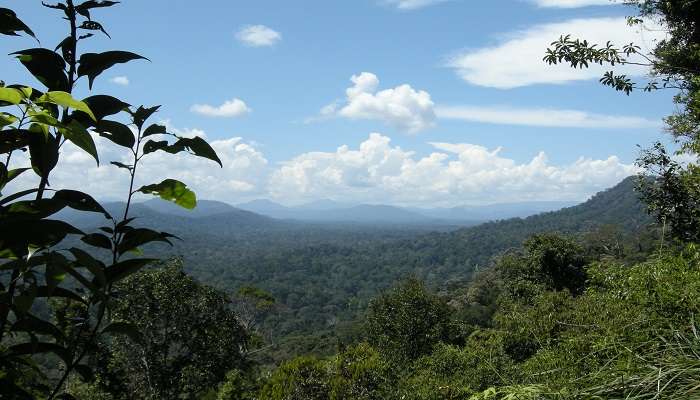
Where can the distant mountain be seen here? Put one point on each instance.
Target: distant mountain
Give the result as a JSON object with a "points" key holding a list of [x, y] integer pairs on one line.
{"points": [[494, 212], [204, 208]]}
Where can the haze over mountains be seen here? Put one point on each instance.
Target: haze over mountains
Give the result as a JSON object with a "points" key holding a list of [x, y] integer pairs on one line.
{"points": [[330, 211]]}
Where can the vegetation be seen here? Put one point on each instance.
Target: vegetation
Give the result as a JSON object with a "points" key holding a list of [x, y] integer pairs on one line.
{"points": [[591, 302]]}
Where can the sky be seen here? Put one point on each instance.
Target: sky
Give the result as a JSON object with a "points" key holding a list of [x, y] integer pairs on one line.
{"points": [[431, 103]]}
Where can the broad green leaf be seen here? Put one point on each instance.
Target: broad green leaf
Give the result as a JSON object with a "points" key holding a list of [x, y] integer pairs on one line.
{"points": [[93, 64], [11, 96], [7, 119], [79, 136], [116, 132], [44, 117], [66, 100], [172, 190], [10, 24], [17, 236], [34, 209], [123, 269], [46, 65]]}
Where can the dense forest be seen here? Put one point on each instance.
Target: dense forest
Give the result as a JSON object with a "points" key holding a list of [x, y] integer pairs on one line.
{"points": [[128, 300]]}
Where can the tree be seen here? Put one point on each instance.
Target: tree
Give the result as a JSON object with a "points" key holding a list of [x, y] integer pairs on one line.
{"points": [[182, 337], [301, 378], [669, 187], [405, 322], [32, 248]]}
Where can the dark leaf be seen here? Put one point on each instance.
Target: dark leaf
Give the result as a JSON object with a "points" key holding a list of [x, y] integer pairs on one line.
{"points": [[155, 145], [142, 114], [93, 64], [93, 26], [154, 129], [199, 147], [34, 209], [84, 8], [46, 65], [80, 201], [43, 150], [140, 236], [85, 372], [172, 190], [17, 236], [97, 240], [39, 348], [43, 291], [120, 165], [30, 323], [116, 132], [96, 267], [124, 328], [123, 269], [13, 139], [10, 24]]}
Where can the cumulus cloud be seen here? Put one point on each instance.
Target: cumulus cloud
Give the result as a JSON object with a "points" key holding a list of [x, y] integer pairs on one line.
{"points": [[544, 117], [517, 60], [376, 171], [453, 174], [230, 108], [412, 4], [258, 36], [402, 107], [120, 80], [571, 3], [244, 171]]}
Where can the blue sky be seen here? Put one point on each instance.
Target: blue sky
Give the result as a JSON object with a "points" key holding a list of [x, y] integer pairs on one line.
{"points": [[447, 82]]}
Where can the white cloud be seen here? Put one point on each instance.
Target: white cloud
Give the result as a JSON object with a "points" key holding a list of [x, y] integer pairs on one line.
{"points": [[120, 80], [230, 108], [402, 107], [517, 60], [258, 36], [453, 174], [412, 4], [373, 172], [244, 171], [544, 117], [571, 3]]}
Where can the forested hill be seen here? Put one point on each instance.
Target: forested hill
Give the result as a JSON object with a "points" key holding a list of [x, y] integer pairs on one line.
{"points": [[329, 276]]}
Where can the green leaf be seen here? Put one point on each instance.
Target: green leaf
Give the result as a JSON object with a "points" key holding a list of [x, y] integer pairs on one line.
{"points": [[66, 100], [93, 64], [97, 240], [140, 236], [80, 201], [172, 190], [154, 129], [46, 65], [116, 132], [79, 136], [123, 269], [11, 96], [55, 273], [7, 119], [10, 24]]}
